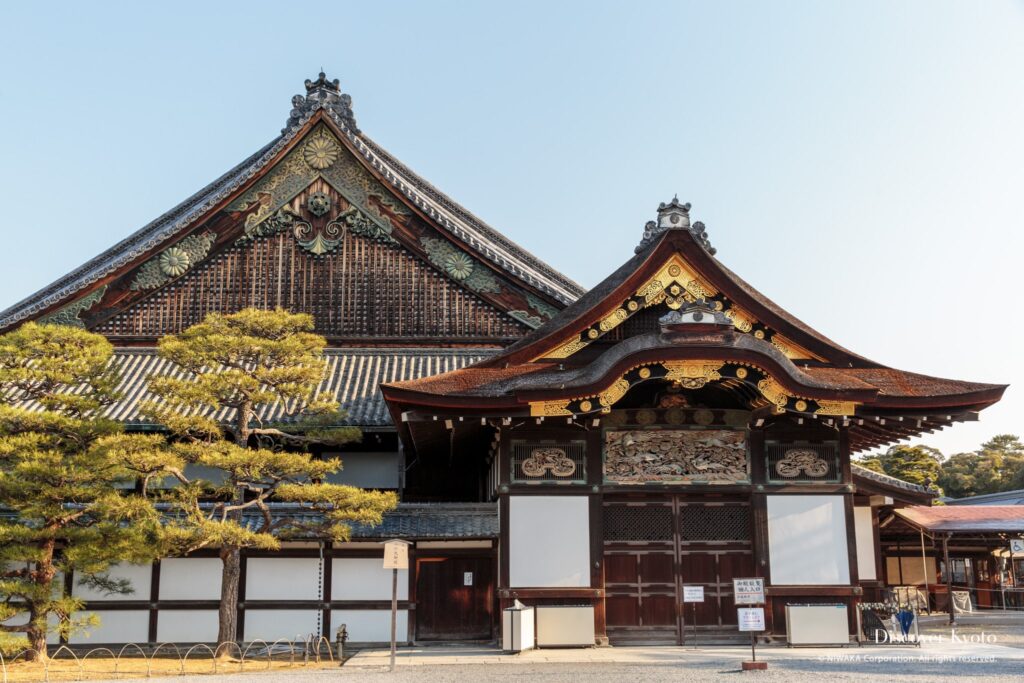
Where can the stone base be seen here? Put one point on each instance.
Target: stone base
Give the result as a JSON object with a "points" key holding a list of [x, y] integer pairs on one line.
{"points": [[755, 666]]}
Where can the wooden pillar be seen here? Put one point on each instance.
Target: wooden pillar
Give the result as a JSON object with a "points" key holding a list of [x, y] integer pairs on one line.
{"points": [[595, 478], [949, 579]]}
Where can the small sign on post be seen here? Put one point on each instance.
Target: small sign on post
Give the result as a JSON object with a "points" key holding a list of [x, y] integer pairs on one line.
{"points": [[750, 591], [1017, 546], [396, 556], [693, 595]]}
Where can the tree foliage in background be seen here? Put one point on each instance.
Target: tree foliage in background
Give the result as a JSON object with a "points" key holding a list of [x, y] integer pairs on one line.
{"points": [[998, 465], [61, 466], [915, 464], [245, 363]]}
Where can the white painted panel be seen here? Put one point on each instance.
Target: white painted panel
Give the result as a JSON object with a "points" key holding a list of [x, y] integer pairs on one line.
{"points": [[127, 626], [371, 625], [140, 575], [862, 518], [364, 578], [190, 578], [913, 571], [271, 624], [549, 541], [187, 626], [282, 578], [807, 541]]}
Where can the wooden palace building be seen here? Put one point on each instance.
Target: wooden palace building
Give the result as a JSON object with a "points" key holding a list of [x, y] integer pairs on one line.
{"points": [[583, 451]]}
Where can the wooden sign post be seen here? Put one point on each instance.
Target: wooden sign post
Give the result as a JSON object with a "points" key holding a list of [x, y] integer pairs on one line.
{"points": [[693, 595], [396, 556], [750, 619]]}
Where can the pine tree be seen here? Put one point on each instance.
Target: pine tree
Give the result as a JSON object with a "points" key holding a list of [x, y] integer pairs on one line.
{"points": [[244, 363], [61, 466]]}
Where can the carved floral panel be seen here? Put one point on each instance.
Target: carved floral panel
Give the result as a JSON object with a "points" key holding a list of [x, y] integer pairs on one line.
{"points": [[676, 456]]}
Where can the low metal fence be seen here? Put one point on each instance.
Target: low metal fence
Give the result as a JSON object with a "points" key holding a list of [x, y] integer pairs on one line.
{"points": [[128, 661]]}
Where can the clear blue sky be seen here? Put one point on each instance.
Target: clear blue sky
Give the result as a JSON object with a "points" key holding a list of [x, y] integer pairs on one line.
{"points": [[862, 163]]}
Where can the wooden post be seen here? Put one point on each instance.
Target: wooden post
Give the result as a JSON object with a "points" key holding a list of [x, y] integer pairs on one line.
{"points": [[394, 613], [924, 573], [949, 579]]}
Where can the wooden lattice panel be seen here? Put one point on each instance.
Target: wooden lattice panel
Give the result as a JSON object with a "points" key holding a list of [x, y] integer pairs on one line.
{"points": [[363, 289]]}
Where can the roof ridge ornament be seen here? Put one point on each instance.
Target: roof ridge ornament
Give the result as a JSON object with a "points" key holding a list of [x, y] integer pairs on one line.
{"points": [[674, 216], [321, 94]]}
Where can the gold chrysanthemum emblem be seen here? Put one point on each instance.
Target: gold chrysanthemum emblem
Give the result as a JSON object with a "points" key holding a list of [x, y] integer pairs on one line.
{"points": [[459, 266], [320, 153], [174, 262]]}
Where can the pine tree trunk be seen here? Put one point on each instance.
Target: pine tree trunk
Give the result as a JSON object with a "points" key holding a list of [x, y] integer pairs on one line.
{"points": [[37, 610], [231, 560]]}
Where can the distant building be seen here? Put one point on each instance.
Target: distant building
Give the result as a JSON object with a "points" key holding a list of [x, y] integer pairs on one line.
{"points": [[1015, 497]]}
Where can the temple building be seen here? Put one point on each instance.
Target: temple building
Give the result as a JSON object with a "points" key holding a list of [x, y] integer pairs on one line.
{"points": [[586, 452]]}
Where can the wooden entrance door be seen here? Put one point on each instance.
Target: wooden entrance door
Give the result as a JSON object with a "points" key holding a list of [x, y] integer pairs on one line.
{"points": [[655, 545], [454, 598]]}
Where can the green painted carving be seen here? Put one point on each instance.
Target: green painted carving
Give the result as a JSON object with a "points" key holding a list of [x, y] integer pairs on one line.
{"points": [[173, 261], [527, 319], [459, 265], [361, 224], [282, 220], [68, 315], [545, 309], [319, 156]]}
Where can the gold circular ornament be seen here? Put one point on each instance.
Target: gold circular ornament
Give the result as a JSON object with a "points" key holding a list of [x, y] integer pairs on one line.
{"points": [[174, 262], [320, 153], [741, 373], [674, 270], [621, 314], [592, 333], [585, 406], [458, 265], [674, 290], [800, 405], [645, 373], [759, 334], [719, 305], [632, 305]]}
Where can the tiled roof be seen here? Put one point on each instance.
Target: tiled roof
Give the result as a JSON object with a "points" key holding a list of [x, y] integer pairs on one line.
{"points": [[1015, 497], [966, 519], [423, 521], [865, 473], [353, 377]]}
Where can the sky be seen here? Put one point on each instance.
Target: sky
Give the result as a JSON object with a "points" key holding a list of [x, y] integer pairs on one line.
{"points": [[861, 163]]}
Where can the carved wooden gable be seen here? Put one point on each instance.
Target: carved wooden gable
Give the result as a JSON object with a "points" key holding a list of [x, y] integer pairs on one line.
{"points": [[318, 233]]}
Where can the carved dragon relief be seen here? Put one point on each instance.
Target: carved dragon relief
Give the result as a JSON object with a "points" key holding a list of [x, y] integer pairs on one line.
{"points": [[675, 284], [676, 456]]}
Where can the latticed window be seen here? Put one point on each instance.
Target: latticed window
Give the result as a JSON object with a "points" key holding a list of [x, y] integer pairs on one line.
{"points": [[549, 461], [637, 523], [802, 462], [714, 523]]}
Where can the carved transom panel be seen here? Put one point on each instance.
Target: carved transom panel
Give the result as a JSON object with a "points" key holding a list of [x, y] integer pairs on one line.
{"points": [[802, 462], [676, 456], [538, 461]]}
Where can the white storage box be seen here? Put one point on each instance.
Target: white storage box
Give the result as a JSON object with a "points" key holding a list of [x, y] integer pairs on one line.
{"points": [[565, 626], [817, 625], [517, 628]]}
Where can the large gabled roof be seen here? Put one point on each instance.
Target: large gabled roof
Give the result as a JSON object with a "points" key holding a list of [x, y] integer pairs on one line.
{"points": [[322, 101]]}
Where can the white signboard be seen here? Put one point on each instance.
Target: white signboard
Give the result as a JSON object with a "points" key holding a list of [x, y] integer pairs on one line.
{"points": [[750, 618], [748, 591], [396, 555], [693, 593], [467, 578], [1017, 546]]}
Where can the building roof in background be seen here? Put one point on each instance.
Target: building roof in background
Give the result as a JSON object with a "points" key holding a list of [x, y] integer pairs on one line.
{"points": [[1015, 497]]}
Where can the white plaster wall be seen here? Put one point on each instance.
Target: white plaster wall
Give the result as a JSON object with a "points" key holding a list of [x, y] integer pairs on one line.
{"points": [[862, 518], [364, 578], [807, 540], [127, 626], [371, 625], [52, 638], [186, 626], [549, 541], [140, 575], [190, 578], [271, 624], [282, 578]]}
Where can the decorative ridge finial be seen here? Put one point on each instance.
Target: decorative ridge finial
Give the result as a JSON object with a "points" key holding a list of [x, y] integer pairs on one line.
{"points": [[674, 215], [322, 94]]}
